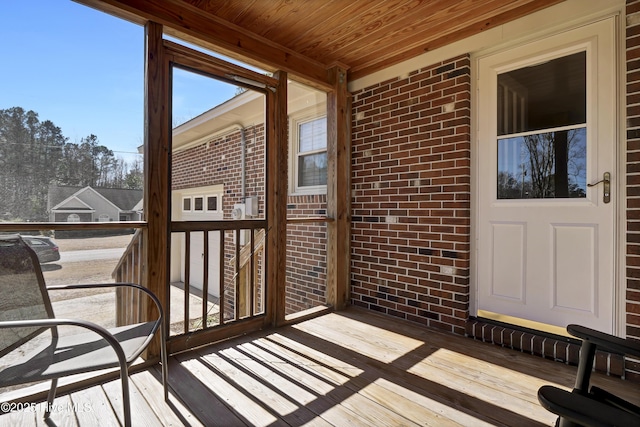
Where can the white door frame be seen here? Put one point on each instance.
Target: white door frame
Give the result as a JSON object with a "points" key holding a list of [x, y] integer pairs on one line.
{"points": [[619, 161]]}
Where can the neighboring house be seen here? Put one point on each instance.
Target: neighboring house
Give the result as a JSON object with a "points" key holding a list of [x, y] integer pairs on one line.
{"points": [[88, 204]]}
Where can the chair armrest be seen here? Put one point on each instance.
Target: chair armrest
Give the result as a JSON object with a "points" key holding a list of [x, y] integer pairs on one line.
{"points": [[584, 410], [603, 340], [151, 295], [105, 334]]}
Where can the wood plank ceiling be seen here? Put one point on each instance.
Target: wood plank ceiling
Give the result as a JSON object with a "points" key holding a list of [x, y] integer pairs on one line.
{"points": [[366, 35]]}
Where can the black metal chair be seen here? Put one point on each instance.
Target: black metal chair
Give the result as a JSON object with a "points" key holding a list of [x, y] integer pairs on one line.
{"points": [[26, 312], [586, 405]]}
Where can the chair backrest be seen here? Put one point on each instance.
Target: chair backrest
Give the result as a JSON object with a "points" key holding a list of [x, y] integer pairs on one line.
{"points": [[23, 294]]}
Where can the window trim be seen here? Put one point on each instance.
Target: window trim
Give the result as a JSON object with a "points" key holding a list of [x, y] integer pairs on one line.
{"points": [[185, 198], [193, 207], [295, 121], [206, 203], [179, 197]]}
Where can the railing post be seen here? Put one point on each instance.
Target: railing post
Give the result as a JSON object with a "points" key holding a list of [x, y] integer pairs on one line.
{"points": [[338, 189], [277, 171], [157, 204]]}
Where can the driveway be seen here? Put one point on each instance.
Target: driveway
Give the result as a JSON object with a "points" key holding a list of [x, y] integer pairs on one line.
{"points": [[88, 260], [91, 255], [92, 261]]}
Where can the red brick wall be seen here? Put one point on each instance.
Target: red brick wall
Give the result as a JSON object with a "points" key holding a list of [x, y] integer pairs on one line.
{"points": [[633, 176], [411, 194], [306, 254], [218, 162]]}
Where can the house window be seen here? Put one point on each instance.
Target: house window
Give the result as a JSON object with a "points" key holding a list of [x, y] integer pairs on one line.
{"points": [[310, 155], [198, 204], [208, 201], [103, 218], [212, 203], [73, 218], [186, 204]]}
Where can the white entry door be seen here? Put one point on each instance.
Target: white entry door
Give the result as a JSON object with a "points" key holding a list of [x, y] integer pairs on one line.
{"points": [[546, 131]]}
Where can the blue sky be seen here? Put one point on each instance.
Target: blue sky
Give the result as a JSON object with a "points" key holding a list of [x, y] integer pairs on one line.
{"points": [[83, 70]]}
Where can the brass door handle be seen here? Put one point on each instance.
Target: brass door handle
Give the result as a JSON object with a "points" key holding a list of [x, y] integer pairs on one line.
{"points": [[606, 180]]}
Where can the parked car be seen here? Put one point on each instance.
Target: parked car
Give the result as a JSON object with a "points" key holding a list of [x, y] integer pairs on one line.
{"points": [[46, 249]]}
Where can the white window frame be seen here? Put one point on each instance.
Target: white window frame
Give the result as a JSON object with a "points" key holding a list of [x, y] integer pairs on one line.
{"points": [[193, 206], [104, 218], [206, 203], [190, 204], [73, 217], [216, 190], [294, 144]]}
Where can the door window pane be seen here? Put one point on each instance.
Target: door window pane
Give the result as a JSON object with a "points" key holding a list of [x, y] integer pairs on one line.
{"points": [[543, 165], [542, 133], [548, 95]]}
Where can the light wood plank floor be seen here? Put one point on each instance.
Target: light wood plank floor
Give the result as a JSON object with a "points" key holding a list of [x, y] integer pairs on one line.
{"points": [[352, 368]]}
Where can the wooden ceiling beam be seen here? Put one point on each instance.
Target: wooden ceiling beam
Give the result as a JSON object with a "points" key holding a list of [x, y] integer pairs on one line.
{"points": [[185, 21]]}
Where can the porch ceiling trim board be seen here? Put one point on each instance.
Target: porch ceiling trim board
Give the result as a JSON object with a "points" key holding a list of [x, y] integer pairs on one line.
{"points": [[192, 24]]}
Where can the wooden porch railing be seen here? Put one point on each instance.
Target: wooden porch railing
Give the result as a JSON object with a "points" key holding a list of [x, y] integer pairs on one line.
{"points": [[240, 291], [129, 308], [246, 263]]}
